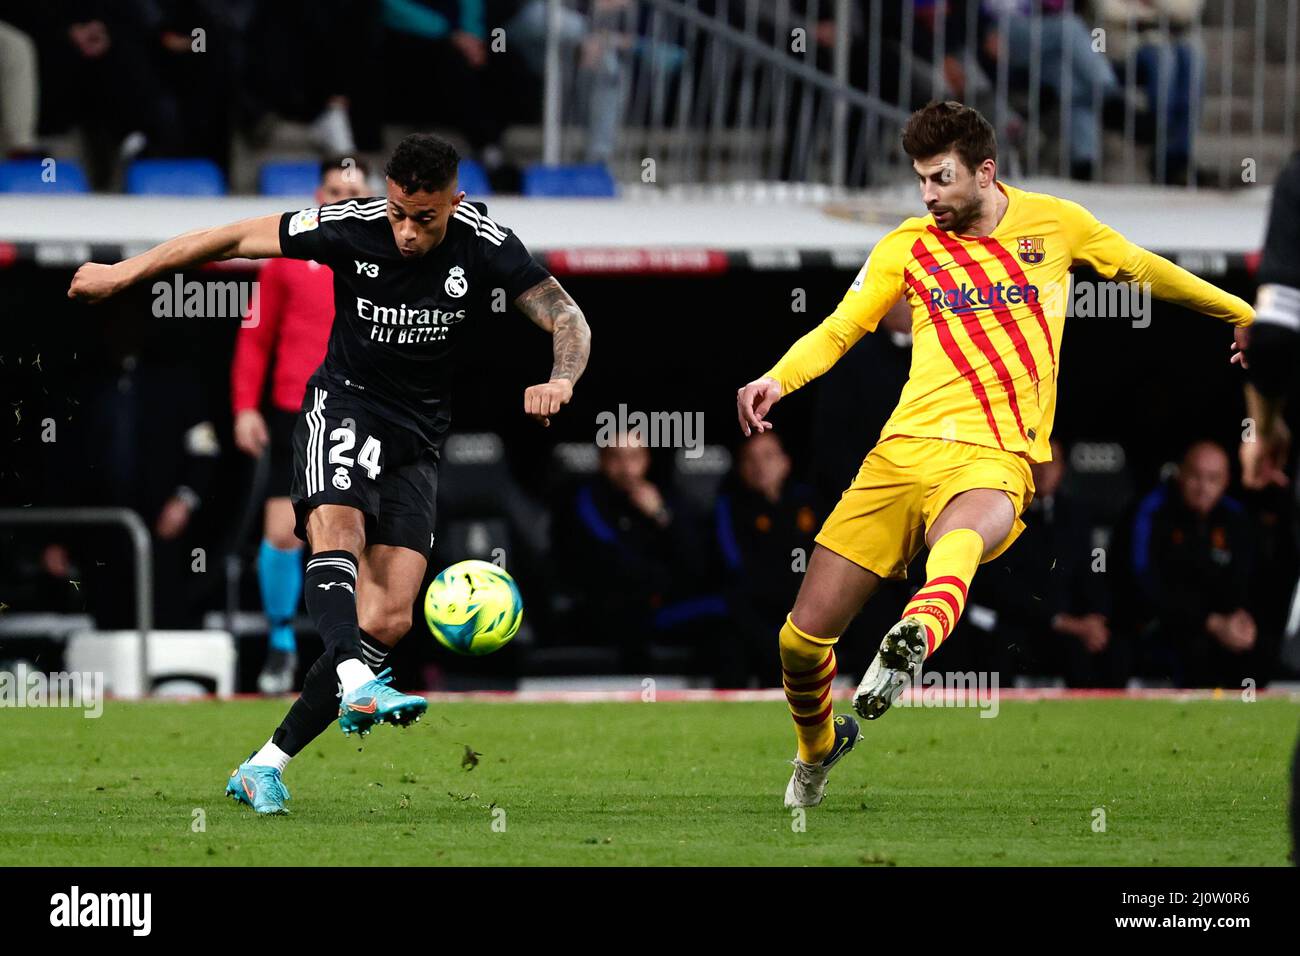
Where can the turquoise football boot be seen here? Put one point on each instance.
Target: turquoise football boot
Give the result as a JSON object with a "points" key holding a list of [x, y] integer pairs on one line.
{"points": [[258, 786], [374, 702]]}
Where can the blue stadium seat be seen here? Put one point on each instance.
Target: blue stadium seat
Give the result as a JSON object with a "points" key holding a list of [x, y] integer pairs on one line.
{"points": [[473, 179], [175, 177], [298, 178], [25, 176], [578, 180]]}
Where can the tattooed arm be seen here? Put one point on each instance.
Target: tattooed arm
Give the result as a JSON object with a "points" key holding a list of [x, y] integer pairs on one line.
{"points": [[548, 305]]}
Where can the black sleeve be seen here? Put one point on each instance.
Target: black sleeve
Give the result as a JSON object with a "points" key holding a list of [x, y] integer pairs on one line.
{"points": [[318, 233], [1280, 262], [511, 267], [1274, 357]]}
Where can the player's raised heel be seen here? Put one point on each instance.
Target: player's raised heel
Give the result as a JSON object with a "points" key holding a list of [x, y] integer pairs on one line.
{"points": [[807, 784], [374, 702], [259, 787], [896, 664]]}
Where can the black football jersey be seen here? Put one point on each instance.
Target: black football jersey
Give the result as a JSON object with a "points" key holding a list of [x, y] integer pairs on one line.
{"points": [[397, 319]]}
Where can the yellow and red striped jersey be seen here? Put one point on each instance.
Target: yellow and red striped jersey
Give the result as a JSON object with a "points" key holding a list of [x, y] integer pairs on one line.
{"points": [[988, 313]]}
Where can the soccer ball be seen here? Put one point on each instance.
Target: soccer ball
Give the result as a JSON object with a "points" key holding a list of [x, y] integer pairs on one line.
{"points": [[473, 607]]}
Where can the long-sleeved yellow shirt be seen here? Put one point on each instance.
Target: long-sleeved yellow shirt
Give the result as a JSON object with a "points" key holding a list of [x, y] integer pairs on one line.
{"points": [[988, 314]]}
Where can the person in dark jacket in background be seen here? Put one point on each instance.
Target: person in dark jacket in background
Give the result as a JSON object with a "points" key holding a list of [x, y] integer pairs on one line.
{"points": [[1050, 597], [637, 555], [764, 524], [1192, 561]]}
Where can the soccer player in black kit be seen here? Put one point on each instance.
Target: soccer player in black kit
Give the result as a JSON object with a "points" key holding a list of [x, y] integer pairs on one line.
{"points": [[409, 269]]}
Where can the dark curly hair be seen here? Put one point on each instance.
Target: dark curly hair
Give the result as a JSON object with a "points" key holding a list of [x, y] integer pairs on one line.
{"points": [[937, 127], [423, 162]]}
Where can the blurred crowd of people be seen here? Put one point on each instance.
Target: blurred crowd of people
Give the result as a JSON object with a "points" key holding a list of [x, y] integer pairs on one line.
{"points": [[1097, 65], [1178, 596], [1182, 586], [178, 78]]}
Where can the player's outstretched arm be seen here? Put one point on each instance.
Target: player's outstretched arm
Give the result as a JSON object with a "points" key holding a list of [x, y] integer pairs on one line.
{"points": [[247, 239], [1173, 283], [811, 355], [554, 310]]}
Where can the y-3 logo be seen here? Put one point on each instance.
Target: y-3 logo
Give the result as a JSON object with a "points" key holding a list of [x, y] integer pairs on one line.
{"points": [[369, 268], [335, 584]]}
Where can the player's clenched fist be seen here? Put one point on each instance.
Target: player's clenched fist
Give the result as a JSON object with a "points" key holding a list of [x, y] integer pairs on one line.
{"points": [[543, 401], [94, 281], [754, 401]]}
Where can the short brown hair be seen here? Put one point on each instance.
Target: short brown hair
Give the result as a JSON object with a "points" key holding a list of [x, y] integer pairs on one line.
{"points": [[937, 127], [342, 161]]}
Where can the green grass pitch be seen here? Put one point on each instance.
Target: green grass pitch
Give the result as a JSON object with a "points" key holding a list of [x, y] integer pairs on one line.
{"points": [[1180, 783]]}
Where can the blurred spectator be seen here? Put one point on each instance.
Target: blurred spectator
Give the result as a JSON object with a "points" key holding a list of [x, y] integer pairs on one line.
{"points": [[1059, 42], [305, 60], [1051, 604], [139, 77], [1170, 67], [1192, 558], [18, 91], [764, 524], [635, 555], [895, 62], [437, 50], [603, 43]]}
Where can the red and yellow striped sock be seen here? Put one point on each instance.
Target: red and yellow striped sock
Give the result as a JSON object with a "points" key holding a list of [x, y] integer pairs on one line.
{"points": [[807, 669], [948, 570]]}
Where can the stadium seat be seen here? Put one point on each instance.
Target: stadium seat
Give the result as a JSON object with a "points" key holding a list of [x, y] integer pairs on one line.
{"points": [[698, 479], [295, 178], [175, 177], [474, 478], [205, 657], [28, 176], [473, 179], [592, 180]]}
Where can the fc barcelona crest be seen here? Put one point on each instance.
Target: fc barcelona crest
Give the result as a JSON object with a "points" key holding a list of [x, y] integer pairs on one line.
{"points": [[1030, 249]]}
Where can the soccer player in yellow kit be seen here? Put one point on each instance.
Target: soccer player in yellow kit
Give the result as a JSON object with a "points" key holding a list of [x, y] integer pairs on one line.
{"points": [[985, 274]]}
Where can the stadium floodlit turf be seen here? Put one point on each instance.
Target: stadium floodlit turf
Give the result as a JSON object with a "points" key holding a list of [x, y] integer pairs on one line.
{"points": [[477, 782]]}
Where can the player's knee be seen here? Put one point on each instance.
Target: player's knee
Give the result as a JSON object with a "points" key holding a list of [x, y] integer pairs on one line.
{"points": [[388, 626], [336, 528], [283, 540], [280, 524]]}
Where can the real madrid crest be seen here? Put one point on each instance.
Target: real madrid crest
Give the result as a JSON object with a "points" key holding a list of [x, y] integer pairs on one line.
{"points": [[456, 284]]}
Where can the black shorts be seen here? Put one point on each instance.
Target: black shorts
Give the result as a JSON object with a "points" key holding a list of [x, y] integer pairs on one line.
{"points": [[346, 454], [280, 424]]}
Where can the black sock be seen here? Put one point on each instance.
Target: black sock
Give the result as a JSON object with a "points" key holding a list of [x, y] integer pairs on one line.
{"points": [[318, 705], [329, 589]]}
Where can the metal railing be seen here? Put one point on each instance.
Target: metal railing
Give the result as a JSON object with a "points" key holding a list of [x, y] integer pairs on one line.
{"points": [[140, 542], [733, 94], [689, 92]]}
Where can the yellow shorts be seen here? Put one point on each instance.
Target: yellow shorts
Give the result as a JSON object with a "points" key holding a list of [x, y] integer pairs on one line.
{"points": [[902, 487]]}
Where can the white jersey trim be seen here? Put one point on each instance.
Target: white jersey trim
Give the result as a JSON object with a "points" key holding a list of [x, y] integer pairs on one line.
{"points": [[483, 226]]}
